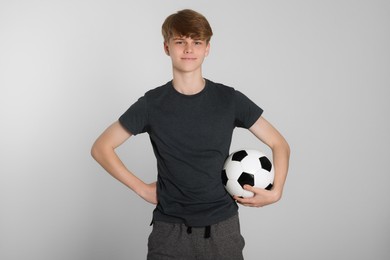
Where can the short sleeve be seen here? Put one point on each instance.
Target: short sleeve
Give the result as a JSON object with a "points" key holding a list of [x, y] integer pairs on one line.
{"points": [[135, 118], [246, 111]]}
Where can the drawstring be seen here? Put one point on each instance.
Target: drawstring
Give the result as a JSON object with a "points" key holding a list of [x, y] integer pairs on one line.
{"points": [[207, 231], [189, 230]]}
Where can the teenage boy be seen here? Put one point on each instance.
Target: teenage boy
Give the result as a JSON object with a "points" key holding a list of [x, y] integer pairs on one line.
{"points": [[190, 121]]}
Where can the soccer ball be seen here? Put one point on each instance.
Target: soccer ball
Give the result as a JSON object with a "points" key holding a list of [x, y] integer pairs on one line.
{"points": [[247, 167]]}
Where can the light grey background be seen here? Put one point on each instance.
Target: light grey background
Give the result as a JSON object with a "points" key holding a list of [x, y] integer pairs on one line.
{"points": [[68, 69]]}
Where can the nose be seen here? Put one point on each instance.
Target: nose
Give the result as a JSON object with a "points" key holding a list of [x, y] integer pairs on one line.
{"points": [[188, 49]]}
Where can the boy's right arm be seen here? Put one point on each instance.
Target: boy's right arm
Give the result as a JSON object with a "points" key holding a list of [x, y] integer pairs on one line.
{"points": [[103, 151]]}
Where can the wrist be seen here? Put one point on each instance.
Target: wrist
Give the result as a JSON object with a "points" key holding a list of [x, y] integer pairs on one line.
{"points": [[139, 187], [276, 193]]}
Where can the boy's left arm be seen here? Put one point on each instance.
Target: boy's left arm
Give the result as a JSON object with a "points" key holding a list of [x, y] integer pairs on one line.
{"points": [[266, 133]]}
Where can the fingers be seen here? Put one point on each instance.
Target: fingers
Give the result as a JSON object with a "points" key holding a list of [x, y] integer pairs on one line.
{"points": [[248, 203], [256, 191], [259, 199]]}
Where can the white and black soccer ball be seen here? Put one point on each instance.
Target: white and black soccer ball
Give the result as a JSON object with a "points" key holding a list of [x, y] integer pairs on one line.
{"points": [[247, 167]]}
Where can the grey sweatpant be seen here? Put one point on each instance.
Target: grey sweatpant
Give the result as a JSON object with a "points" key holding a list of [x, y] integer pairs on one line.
{"points": [[177, 241]]}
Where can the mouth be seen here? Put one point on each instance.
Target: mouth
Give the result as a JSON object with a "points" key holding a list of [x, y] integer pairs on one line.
{"points": [[188, 59]]}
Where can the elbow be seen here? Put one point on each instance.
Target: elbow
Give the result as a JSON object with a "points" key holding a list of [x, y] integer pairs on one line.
{"points": [[95, 151], [100, 151], [283, 146], [287, 148]]}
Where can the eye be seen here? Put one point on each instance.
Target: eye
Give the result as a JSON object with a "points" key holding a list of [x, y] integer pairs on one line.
{"points": [[198, 43]]}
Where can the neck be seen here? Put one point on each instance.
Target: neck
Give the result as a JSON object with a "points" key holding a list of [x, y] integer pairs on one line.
{"points": [[188, 83]]}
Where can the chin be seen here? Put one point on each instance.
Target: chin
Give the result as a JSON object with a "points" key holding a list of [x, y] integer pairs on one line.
{"points": [[187, 68]]}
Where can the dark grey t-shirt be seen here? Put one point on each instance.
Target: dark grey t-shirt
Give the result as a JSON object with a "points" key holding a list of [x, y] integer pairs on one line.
{"points": [[191, 136]]}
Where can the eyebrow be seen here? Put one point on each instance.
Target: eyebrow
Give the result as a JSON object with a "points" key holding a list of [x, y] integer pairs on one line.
{"points": [[183, 38]]}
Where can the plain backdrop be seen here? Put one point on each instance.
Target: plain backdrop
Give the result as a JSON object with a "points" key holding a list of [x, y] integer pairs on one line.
{"points": [[319, 69]]}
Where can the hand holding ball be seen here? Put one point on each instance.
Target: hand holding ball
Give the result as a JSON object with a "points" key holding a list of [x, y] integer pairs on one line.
{"points": [[247, 167]]}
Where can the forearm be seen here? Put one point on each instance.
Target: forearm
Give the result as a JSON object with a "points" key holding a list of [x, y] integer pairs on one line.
{"points": [[109, 160], [103, 151], [281, 157], [263, 130]]}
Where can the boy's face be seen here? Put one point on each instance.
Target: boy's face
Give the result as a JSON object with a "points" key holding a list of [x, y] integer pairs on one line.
{"points": [[187, 54]]}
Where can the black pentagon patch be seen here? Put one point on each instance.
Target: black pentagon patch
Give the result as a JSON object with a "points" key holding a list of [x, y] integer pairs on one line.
{"points": [[269, 187], [246, 178], [224, 177], [265, 163], [238, 156]]}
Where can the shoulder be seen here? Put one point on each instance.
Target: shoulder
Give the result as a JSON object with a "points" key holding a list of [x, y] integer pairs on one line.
{"points": [[228, 91], [221, 90], [219, 86], [156, 95], [158, 91]]}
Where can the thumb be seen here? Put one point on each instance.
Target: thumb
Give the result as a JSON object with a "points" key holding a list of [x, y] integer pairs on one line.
{"points": [[248, 187], [255, 190]]}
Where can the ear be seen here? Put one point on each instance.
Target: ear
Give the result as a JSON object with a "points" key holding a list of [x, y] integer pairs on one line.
{"points": [[166, 48], [207, 50]]}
